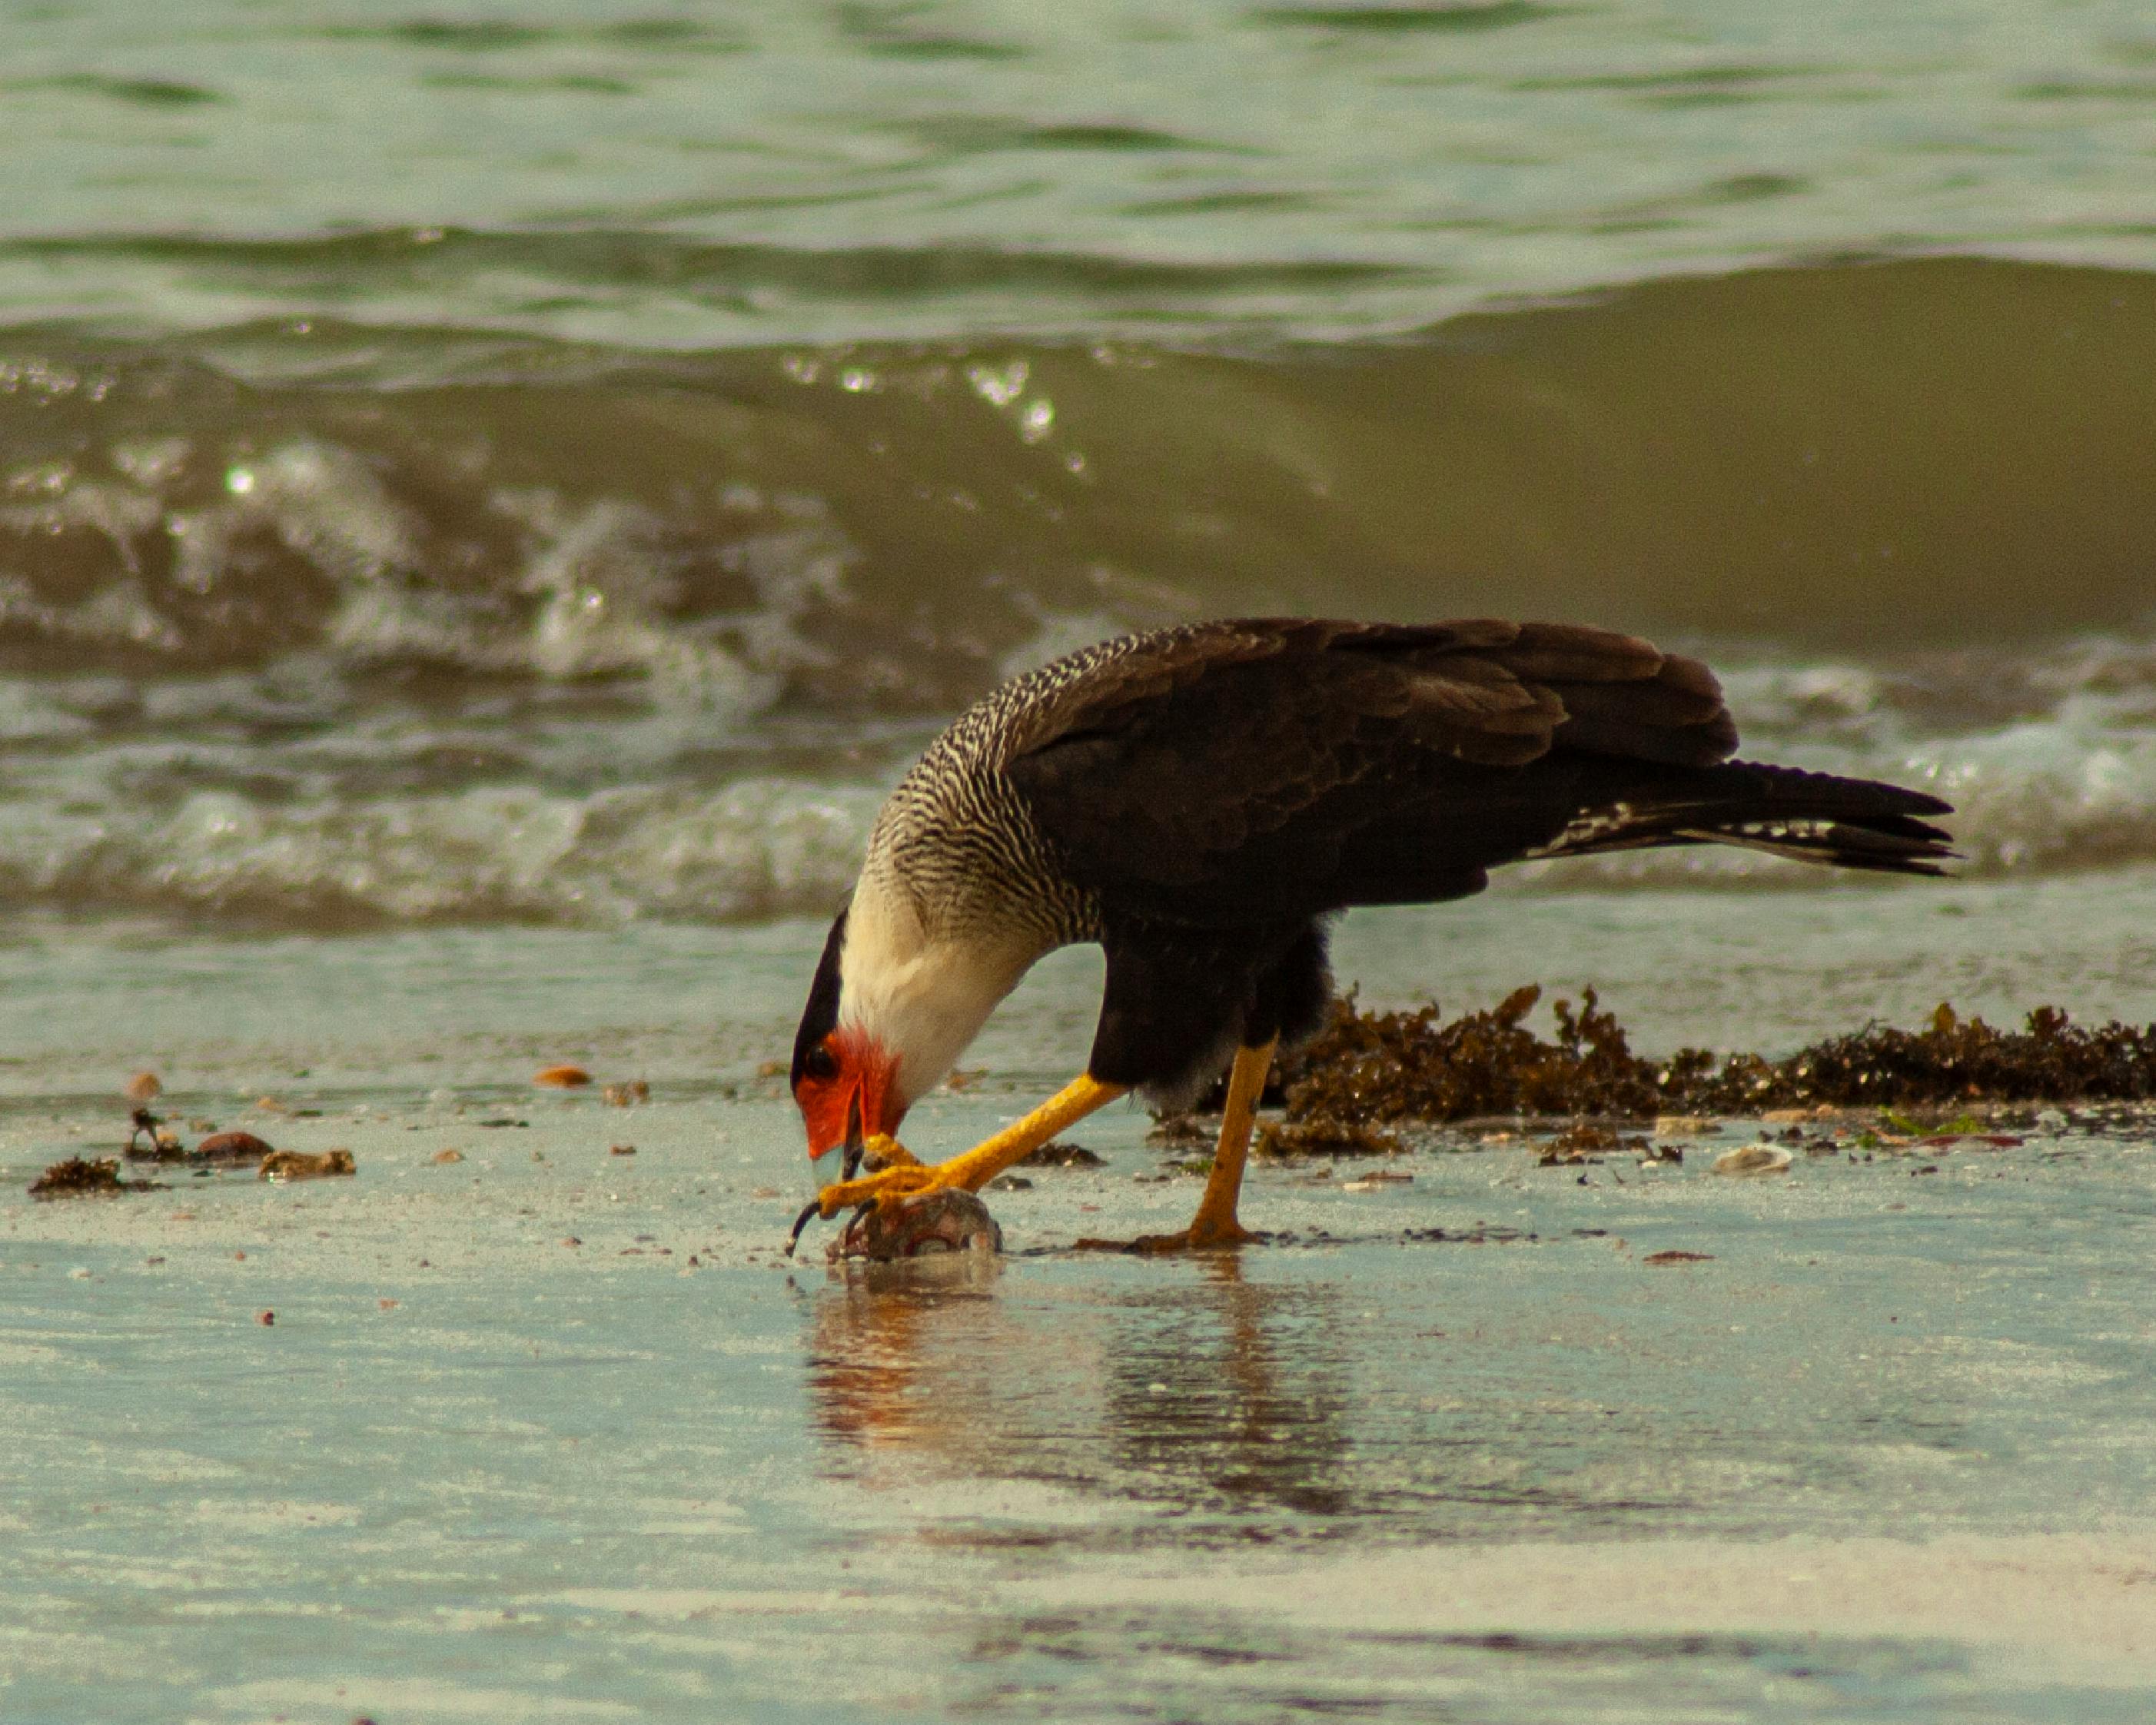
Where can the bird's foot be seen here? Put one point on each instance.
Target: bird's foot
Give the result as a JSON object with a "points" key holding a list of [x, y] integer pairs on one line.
{"points": [[1210, 1237], [893, 1179]]}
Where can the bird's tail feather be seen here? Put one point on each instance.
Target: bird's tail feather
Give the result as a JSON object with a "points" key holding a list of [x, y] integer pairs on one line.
{"points": [[1811, 817]]}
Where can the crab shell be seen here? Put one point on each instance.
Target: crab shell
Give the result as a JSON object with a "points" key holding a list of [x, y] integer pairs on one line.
{"points": [[945, 1220]]}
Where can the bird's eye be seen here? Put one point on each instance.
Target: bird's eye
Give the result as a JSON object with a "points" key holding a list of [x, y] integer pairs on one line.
{"points": [[820, 1063]]}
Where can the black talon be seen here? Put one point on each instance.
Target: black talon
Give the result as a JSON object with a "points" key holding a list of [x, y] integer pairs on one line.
{"points": [[801, 1222]]}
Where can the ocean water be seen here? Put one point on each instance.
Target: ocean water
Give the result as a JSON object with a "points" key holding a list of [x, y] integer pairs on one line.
{"points": [[553, 465], [490, 496]]}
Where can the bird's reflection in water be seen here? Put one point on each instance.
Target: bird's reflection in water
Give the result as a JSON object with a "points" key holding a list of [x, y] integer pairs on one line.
{"points": [[1203, 1390]]}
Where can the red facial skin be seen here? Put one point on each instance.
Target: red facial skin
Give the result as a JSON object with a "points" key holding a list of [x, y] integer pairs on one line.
{"points": [[866, 1079]]}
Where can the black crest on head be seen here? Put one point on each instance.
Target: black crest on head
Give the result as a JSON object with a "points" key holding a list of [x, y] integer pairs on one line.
{"points": [[820, 1016]]}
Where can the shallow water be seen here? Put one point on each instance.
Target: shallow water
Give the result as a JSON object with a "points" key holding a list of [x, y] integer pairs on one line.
{"points": [[1884, 1454]]}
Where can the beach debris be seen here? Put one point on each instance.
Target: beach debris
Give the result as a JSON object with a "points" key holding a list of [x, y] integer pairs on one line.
{"points": [[628, 1095], [561, 1077], [947, 1219], [1951, 1059], [142, 1087], [964, 1078], [266, 1319], [1581, 1142], [622, 1150], [301, 1165], [442, 1158], [76, 1177], [1376, 1181], [1060, 1154], [1659, 1155], [1674, 1256], [1323, 1136], [1368, 1068], [1750, 1160], [233, 1149]]}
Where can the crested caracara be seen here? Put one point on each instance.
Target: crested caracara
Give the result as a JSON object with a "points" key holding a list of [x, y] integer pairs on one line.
{"points": [[1201, 800]]}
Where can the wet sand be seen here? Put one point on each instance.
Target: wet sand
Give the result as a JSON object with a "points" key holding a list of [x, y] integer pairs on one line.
{"points": [[549, 1432]]}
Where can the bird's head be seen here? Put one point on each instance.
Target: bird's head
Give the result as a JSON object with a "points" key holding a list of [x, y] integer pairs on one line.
{"points": [[844, 1075], [891, 1009]]}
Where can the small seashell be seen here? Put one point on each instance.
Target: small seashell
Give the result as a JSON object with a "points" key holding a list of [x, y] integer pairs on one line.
{"points": [[624, 1095], [561, 1077], [143, 1087], [299, 1165], [443, 1157], [265, 1318], [1754, 1159], [622, 1150]]}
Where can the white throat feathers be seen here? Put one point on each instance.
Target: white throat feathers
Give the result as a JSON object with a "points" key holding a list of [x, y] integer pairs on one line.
{"points": [[921, 994]]}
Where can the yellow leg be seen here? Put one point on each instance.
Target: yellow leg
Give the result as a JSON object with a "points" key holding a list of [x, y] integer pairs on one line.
{"points": [[985, 1160], [1215, 1223]]}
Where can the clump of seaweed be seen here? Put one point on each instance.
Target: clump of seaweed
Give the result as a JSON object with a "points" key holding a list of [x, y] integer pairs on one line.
{"points": [[1951, 1059], [1326, 1137], [76, 1177], [1366, 1069]]}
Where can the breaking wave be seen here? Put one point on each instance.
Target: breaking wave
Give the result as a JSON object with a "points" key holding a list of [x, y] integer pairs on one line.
{"points": [[328, 628]]}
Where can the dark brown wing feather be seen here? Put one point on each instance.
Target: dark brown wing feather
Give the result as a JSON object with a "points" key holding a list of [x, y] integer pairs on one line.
{"points": [[1258, 770]]}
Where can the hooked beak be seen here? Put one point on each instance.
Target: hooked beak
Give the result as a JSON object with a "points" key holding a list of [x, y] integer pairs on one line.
{"points": [[830, 1173]]}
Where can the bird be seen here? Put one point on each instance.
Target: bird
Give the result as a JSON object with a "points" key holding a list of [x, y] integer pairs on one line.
{"points": [[1202, 801]]}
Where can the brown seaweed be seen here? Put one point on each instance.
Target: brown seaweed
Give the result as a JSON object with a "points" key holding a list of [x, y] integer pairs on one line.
{"points": [[1371, 1068], [1951, 1060], [1326, 1137], [76, 1177], [1368, 1068]]}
